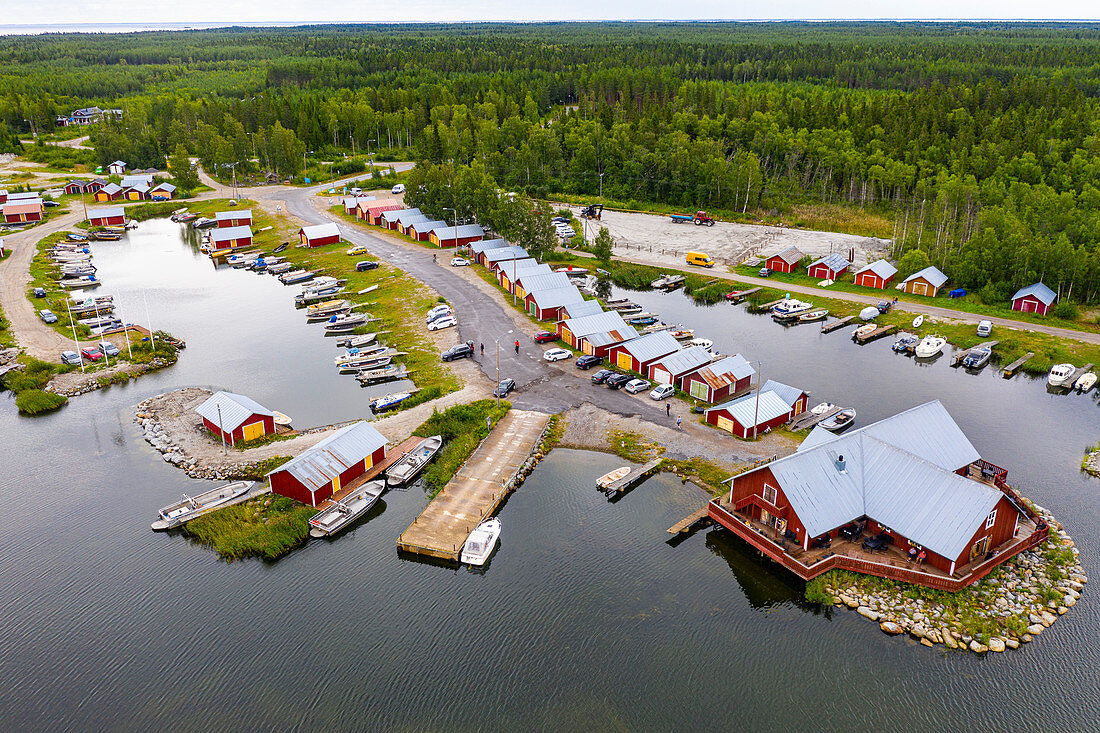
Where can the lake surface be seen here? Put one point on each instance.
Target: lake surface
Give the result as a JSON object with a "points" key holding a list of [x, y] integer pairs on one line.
{"points": [[585, 618]]}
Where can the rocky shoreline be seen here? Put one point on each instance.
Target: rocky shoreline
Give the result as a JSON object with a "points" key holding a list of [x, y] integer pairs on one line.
{"points": [[68, 385], [1004, 610]]}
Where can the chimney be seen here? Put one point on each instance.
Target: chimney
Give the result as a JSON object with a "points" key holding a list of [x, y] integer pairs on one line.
{"points": [[840, 464]]}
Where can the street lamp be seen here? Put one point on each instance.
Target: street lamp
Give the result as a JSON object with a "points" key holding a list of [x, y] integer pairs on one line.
{"points": [[497, 340]]}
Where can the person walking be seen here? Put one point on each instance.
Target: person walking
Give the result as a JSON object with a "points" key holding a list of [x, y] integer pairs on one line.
{"points": [[678, 420], [483, 349], [668, 409], [517, 346]]}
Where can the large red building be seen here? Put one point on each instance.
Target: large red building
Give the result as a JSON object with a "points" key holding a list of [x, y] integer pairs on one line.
{"points": [[907, 498], [107, 216], [319, 472], [234, 417], [720, 379], [877, 274], [320, 235], [238, 218], [829, 267], [636, 355], [758, 412]]}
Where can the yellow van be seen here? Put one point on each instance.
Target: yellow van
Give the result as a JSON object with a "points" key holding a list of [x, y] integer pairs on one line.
{"points": [[699, 258]]}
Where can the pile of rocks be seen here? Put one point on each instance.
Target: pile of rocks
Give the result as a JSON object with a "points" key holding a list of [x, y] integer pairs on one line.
{"points": [[7, 356], [1021, 596], [1091, 464], [90, 381]]}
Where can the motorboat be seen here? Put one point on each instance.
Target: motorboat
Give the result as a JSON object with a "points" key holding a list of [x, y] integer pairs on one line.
{"points": [[681, 334], [930, 346], [705, 343], [190, 507], [864, 331], [77, 271], [374, 361], [91, 309], [77, 237], [818, 314], [388, 402], [918, 321], [322, 282], [389, 373], [344, 512], [85, 281], [822, 408], [869, 313], [839, 421], [280, 268], [642, 319], [605, 481], [357, 342], [359, 353], [1060, 374], [312, 296], [1085, 382], [182, 217], [789, 308], [295, 276], [281, 418], [203, 222], [413, 462], [106, 236], [977, 358], [327, 308], [481, 542], [101, 323], [905, 342], [346, 322]]}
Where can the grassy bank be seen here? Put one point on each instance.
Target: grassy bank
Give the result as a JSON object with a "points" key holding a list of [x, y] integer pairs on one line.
{"points": [[267, 526], [27, 386], [637, 448], [462, 427]]}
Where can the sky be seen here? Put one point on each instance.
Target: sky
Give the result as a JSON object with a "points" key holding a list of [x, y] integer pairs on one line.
{"points": [[306, 11]]}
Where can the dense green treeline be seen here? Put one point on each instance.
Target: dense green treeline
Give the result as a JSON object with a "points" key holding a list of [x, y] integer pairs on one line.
{"points": [[980, 143]]}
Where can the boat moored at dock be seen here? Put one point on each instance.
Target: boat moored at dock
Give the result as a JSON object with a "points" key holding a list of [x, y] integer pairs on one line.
{"points": [[481, 542], [413, 462], [929, 346], [1060, 374], [189, 507], [346, 511]]}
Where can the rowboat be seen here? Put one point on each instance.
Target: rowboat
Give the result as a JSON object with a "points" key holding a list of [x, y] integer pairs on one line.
{"points": [[346, 322], [1085, 382], [87, 281], [481, 542], [413, 462], [1060, 374], [388, 373], [280, 268], [374, 361], [189, 507], [282, 247], [682, 333], [611, 477], [839, 421], [327, 308], [359, 353], [818, 314], [356, 342], [106, 236], [280, 418], [344, 512], [641, 319], [390, 401], [864, 331], [295, 276]]}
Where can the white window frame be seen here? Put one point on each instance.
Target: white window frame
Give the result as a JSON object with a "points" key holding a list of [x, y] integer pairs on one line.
{"points": [[775, 494], [991, 519]]}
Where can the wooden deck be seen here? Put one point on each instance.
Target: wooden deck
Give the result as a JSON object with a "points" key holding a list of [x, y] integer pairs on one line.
{"points": [[742, 294], [635, 477], [834, 325], [690, 520], [805, 420], [476, 490], [1011, 368], [393, 455]]}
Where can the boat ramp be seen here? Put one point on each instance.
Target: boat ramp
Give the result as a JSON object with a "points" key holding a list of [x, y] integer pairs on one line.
{"points": [[1014, 366], [636, 476], [834, 325], [477, 490], [958, 356]]}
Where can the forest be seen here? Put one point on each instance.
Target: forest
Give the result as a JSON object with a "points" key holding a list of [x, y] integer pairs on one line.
{"points": [[976, 144]]}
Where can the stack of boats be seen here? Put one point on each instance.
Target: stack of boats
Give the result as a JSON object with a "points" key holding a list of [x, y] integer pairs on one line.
{"points": [[74, 264]]}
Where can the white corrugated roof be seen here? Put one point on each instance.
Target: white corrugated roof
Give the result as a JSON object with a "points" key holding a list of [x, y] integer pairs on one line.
{"points": [[406, 219], [555, 297], [609, 321], [235, 409], [585, 308], [316, 467], [225, 234], [511, 268], [1045, 295], [882, 268], [487, 244], [505, 253], [833, 261], [651, 346], [787, 393], [932, 274], [545, 281], [231, 215], [106, 212], [790, 255], [321, 230], [745, 409], [427, 225], [460, 232], [685, 360], [395, 214]]}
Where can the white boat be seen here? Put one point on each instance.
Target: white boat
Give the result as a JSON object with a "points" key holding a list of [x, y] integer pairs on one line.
{"points": [[790, 307], [370, 361], [869, 313], [356, 342], [839, 421], [481, 542], [822, 408], [189, 507], [1085, 382], [357, 354], [346, 322], [344, 512], [705, 343], [977, 358], [930, 346], [281, 418], [84, 281], [918, 321], [413, 462], [611, 477], [864, 331], [1059, 374]]}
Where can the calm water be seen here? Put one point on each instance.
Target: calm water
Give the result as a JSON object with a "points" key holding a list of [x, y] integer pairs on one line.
{"points": [[586, 617]]}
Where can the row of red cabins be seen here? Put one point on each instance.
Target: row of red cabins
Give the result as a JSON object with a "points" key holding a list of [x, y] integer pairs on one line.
{"points": [[393, 215]]}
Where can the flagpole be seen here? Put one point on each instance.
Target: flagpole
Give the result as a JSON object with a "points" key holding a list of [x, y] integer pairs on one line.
{"points": [[75, 337], [149, 320]]}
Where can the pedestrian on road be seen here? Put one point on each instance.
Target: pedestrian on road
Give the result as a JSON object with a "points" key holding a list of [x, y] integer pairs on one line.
{"points": [[678, 420], [517, 346], [483, 349], [668, 408], [433, 258]]}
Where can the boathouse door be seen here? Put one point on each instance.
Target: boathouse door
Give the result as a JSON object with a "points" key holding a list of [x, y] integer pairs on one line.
{"points": [[979, 548], [253, 431]]}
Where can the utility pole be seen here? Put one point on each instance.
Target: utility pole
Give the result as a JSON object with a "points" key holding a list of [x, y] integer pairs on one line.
{"points": [[756, 412]]}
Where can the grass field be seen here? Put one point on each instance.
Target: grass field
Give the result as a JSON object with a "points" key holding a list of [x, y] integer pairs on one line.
{"points": [[267, 526]]}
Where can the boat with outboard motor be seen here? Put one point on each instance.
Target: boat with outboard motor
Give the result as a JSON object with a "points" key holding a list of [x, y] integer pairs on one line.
{"points": [[344, 512], [481, 542], [190, 507], [413, 462]]}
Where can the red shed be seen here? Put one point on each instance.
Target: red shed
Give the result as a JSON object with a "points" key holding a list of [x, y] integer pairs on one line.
{"points": [[829, 267], [236, 417], [321, 471], [720, 379], [242, 218], [784, 260], [637, 354], [673, 368], [107, 216], [456, 236], [231, 237], [421, 230], [878, 274], [320, 235], [756, 413], [18, 212], [73, 187], [371, 211], [1037, 298]]}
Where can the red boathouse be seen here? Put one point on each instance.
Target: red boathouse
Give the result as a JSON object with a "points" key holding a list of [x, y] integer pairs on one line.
{"points": [[234, 417], [331, 465]]}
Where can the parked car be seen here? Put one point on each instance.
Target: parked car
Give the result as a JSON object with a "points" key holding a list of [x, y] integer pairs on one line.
{"points": [[560, 220], [50, 203], [358, 249], [91, 353], [439, 316], [461, 351], [71, 358], [459, 262], [601, 376], [108, 348], [366, 265], [440, 310], [634, 386], [47, 315], [588, 360], [662, 392], [440, 324], [40, 292], [555, 354], [505, 386], [545, 337], [355, 191], [985, 328], [616, 381], [764, 272], [399, 188]]}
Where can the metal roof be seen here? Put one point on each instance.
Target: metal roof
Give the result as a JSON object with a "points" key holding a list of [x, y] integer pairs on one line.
{"points": [[487, 244], [225, 234], [545, 281], [235, 409], [316, 467], [748, 413], [787, 393], [612, 337], [833, 261], [651, 346], [232, 215], [111, 188], [24, 196], [882, 268], [555, 297], [511, 268], [598, 322], [406, 219], [685, 360], [725, 371], [1045, 295], [427, 225], [22, 207], [105, 212], [374, 207], [505, 253], [394, 214], [584, 308], [790, 255], [460, 232], [133, 180], [932, 274], [321, 230], [164, 187]]}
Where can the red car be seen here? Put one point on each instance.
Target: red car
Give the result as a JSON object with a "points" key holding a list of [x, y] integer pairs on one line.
{"points": [[92, 353], [543, 337]]}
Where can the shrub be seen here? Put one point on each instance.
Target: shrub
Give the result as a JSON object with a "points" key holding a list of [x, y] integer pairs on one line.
{"points": [[1066, 310], [817, 593], [35, 375], [36, 401]]}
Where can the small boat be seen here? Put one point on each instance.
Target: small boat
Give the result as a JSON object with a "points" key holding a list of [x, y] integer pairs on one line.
{"points": [[101, 322], [182, 217], [929, 346], [295, 276], [667, 282], [603, 482], [312, 296], [321, 282], [114, 228], [705, 343], [76, 237], [642, 319], [373, 361], [413, 462], [869, 313], [839, 421], [93, 309], [189, 507], [281, 248], [481, 542], [977, 358], [918, 321], [904, 342], [106, 236], [203, 222], [343, 513], [346, 322], [70, 272], [357, 353], [1060, 374], [388, 402], [1085, 382], [281, 418], [818, 314], [864, 331], [174, 342], [654, 327], [789, 307], [280, 268], [389, 373], [327, 308], [822, 408], [355, 342], [86, 281]]}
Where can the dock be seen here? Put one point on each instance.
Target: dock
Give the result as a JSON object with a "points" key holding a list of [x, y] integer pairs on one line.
{"points": [[1080, 372], [477, 490], [690, 521], [739, 295], [1011, 368], [877, 333], [834, 325], [632, 479], [957, 358], [805, 420], [764, 307]]}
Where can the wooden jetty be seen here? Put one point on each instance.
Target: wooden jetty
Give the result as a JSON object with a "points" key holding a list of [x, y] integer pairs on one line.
{"points": [[393, 455], [632, 479], [763, 307], [740, 295], [838, 323], [690, 520], [1011, 368], [805, 420], [1077, 375], [478, 488], [877, 333], [957, 358]]}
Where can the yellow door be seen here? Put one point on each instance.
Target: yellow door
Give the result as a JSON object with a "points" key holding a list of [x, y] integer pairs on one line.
{"points": [[586, 347], [336, 485], [724, 423], [622, 360], [253, 431]]}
